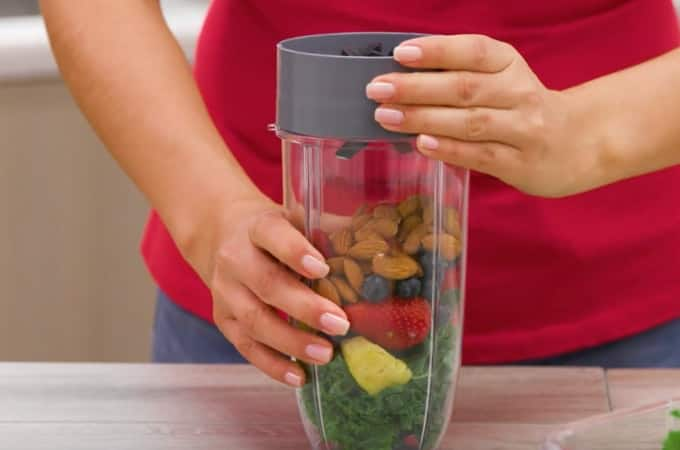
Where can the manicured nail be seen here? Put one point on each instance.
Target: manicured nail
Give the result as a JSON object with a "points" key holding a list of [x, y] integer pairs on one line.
{"points": [[293, 379], [314, 267], [408, 53], [334, 325], [379, 90], [389, 116], [319, 353], [428, 142]]}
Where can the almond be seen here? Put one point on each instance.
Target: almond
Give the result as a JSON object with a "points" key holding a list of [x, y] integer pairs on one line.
{"points": [[387, 212], [366, 233], [387, 228], [326, 289], [449, 246], [360, 221], [366, 267], [413, 240], [395, 267], [428, 214], [396, 250], [407, 225], [354, 274], [384, 227], [345, 290], [337, 265], [368, 249], [341, 241], [452, 222], [409, 206]]}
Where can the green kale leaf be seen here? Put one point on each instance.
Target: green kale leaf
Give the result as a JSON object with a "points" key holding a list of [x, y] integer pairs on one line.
{"points": [[672, 441], [355, 420]]}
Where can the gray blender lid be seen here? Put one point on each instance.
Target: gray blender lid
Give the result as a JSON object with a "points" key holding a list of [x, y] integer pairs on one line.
{"points": [[321, 92]]}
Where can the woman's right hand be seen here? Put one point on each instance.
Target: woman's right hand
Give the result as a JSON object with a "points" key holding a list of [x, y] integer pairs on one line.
{"points": [[250, 255]]}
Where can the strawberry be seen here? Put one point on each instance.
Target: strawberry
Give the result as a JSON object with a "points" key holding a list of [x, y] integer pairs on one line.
{"points": [[411, 441], [394, 324]]}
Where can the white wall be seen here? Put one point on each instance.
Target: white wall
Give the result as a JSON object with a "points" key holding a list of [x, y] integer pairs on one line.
{"points": [[72, 286], [72, 283]]}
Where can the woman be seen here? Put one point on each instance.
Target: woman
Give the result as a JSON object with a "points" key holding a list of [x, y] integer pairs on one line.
{"points": [[554, 98]]}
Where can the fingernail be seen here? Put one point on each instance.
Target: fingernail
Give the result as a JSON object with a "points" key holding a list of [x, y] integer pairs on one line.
{"points": [[379, 90], [428, 142], [319, 352], [315, 267], [408, 53], [389, 116], [334, 325], [293, 379]]}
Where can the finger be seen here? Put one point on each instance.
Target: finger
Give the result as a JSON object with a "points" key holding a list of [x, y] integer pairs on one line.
{"points": [[278, 287], [467, 124], [274, 233], [473, 52], [265, 326], [490, 158], [328, 222], [274, 364], [453, 88]]}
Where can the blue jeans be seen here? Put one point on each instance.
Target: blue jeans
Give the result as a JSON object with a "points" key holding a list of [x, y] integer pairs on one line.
{"points": [[180, 337]]}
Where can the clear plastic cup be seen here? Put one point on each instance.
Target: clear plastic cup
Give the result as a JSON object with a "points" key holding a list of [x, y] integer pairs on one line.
{"points": [[391, 224]]}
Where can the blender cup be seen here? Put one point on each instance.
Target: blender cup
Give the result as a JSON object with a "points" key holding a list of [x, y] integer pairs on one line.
{"points": [[392, 226]]}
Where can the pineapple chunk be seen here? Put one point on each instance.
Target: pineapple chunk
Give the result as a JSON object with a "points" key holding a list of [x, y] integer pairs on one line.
{"points": [[372, 367]]}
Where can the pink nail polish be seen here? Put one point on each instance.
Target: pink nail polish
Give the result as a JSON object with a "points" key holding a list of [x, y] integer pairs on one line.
{"points": [[293, 380], [428, 142], [389, 116], [319, 353], [315, 267], [408, 53], [379, 90], [334, 325]]}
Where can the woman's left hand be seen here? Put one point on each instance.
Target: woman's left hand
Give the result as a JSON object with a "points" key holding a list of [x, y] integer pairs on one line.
{"points": [[486, 110]]}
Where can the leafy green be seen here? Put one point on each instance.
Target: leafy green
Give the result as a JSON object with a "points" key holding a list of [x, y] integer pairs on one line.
{"points": [[354, 420], [672, 441]]}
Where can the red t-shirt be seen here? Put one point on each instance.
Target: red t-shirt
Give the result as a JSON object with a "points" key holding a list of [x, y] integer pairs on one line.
{"points": [[545, 276]]}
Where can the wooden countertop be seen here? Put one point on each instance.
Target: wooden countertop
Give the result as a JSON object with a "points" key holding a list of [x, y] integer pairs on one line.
{"points": [[163, 407]]}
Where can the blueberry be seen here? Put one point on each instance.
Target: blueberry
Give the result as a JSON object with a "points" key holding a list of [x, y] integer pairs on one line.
{"points": [[426, 258], [409, 288], [375, 288], [428, 288], [427, 292]]}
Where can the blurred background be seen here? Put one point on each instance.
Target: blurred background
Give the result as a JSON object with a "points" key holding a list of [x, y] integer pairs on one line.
{"points": [[72, 284]]}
